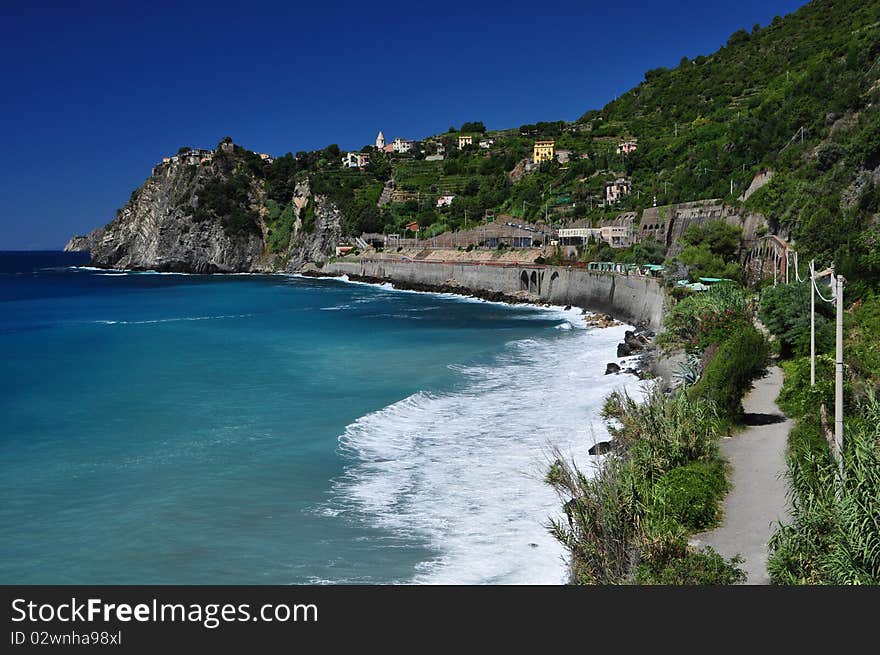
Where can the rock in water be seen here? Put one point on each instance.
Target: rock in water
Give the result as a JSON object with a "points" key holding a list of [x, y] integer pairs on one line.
{"points": [[611, 367], [601, 448]]}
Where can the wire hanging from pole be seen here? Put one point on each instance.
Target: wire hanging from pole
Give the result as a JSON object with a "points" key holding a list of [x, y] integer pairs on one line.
{"points": [[797, 274], [816, 286]]}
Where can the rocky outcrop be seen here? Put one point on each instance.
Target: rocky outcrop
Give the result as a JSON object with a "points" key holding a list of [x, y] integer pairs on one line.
{"points": [[84, 243], [159, 228], [601, 448], [317, 244], [210, 217], [633, 343]]}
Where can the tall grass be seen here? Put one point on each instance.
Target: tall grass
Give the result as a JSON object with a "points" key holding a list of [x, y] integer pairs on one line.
{"points": [[834, 534], [602, 532], [663, 432], [623, 525]]}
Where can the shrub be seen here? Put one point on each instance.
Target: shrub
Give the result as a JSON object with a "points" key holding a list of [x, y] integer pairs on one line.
{"points": [[785, 310], [690, 495], [834, 533], [797, 397], [663, 432], [705, 318], [729, 374], [629, 522], [672, 562], [601, 532]]}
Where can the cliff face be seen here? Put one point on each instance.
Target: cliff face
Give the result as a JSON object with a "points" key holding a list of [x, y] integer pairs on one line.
{"points": [[208, 217], [315, 245]]}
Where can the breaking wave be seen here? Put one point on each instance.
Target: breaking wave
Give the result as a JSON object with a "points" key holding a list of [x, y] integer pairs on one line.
{"points": [[463, 471]]}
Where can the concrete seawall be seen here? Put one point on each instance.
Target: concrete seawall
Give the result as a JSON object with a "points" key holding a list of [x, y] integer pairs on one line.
{"points": [[630, 298]]}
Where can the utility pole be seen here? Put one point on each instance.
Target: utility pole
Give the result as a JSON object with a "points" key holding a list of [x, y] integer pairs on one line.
{"points": [[731, 186], [840, 281], [812, 326], [813, 277]]}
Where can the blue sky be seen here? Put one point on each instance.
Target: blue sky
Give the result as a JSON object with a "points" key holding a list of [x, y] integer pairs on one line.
{"points": [[94, 93]]}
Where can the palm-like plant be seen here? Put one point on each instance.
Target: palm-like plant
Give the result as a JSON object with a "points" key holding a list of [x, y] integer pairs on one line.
{"points": [[688, 372]]}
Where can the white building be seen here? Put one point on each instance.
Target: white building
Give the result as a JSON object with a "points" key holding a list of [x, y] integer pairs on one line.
{"points": [[583, 233], [402, 145], [485, 144], [445, 200], [356, 159], [617, 189], [465, 140], [627, 147]]}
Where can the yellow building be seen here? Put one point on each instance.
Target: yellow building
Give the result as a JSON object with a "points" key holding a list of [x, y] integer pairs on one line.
{"points": [[544, 151]]}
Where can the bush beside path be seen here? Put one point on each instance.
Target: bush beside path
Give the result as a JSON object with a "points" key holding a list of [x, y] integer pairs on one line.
{"points": [[757, 500]]}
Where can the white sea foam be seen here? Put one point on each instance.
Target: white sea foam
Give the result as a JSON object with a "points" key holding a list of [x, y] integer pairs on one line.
{"points": [[463, 471], [90, 268], [173, 319]]}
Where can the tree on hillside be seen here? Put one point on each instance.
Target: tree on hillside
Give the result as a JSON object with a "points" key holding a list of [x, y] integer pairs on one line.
{"points": [[476, 126], [785, 310], [711, 249], [721, 238]]}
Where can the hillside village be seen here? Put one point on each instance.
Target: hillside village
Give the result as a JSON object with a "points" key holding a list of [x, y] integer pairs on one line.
{"points": [[424, 198], [536, 190]]}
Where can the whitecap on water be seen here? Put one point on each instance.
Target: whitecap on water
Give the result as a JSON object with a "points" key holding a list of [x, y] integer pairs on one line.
{"points": [[463, 471]]}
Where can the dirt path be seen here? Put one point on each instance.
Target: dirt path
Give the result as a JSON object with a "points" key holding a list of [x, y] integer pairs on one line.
{"points": [[757, 498]]}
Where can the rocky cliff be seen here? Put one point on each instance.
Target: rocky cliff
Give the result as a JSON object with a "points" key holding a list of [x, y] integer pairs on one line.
{"points": [[210, 216]]}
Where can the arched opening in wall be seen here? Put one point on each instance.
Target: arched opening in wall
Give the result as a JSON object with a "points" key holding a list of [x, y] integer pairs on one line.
{"points": [[524, 281], [533, 282], [550, 285]]}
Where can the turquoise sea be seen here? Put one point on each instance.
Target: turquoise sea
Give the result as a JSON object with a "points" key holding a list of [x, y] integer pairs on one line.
{"points": [[164, 428]]}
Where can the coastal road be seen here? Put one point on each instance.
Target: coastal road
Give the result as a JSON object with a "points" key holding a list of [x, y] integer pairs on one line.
{"points": [[757, 499]]}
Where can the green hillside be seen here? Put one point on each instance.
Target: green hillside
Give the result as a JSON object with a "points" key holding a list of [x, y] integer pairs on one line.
{"points": [[797, 96]]}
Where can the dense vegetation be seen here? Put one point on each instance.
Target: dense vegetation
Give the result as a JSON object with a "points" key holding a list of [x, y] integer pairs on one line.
{"points": [[834, 534], [797, 96], [666, 478], [629, 523]]}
